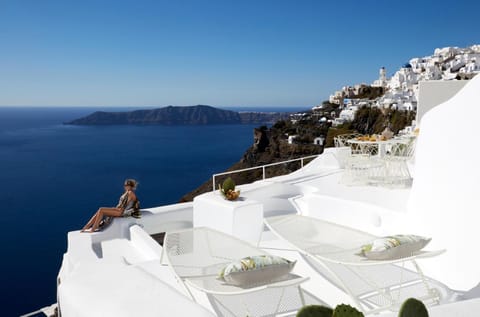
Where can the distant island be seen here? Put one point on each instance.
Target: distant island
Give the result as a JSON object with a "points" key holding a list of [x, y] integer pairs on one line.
{"points": [[171, 115]]}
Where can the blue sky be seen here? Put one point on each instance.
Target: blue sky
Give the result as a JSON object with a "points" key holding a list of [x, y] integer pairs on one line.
{"points": [[222, 53]]}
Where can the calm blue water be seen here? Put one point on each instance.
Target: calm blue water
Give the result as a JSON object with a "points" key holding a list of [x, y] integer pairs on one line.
{"points": [[54, 176]]}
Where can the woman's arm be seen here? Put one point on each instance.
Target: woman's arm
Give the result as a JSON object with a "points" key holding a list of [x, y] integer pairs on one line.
{"points": [[132, 196]]}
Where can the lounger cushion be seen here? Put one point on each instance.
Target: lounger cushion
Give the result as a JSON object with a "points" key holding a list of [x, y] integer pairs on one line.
{"points": [[258, 269], [394, 247]]}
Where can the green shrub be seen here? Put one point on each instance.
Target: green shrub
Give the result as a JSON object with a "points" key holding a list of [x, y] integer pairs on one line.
{"points": [[344, 310], [413, 308], [315, 311]]}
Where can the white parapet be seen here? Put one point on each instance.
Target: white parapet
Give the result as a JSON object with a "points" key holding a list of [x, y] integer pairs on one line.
{"points": [[242, 218], [445, 189]]}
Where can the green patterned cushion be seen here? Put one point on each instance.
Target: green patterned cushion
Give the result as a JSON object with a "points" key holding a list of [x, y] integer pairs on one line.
{"points": [[257, 269], [394, 247]]}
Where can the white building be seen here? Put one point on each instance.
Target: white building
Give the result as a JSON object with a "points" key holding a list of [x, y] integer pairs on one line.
{"points": [[382, 78], [446, 51], [448, 63], [348, 114], [291, 139], [403, 79], [337, 97], [319, 140], [445, 64]]}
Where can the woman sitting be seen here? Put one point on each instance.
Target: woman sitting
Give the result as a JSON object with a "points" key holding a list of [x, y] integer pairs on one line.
{"points": [[127, 205]]}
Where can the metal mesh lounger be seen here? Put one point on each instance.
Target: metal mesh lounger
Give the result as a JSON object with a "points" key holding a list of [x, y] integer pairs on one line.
{"points": [[197, 255], [332, 250]]}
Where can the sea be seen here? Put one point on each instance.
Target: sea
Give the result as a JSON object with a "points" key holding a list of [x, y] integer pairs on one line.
{"points": [[53, 177]]}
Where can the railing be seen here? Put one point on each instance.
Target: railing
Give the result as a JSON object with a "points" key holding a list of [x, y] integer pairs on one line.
{"points": [[263, 167]]}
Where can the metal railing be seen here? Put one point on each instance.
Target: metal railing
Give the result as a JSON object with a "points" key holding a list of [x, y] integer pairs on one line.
{"points": [[263, 167]]}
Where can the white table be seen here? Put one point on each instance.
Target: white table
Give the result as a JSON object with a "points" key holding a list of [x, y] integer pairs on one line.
{"points": [[241, 218]]}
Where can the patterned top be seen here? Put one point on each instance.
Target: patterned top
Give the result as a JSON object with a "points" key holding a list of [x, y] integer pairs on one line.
{"points": [[128, 206]]}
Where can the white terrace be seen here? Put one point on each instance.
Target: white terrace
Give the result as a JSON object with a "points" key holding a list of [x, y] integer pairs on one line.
{"points": [[124, 270]]}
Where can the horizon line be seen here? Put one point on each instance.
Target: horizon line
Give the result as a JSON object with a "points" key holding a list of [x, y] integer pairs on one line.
{"points": [[150, 106]]}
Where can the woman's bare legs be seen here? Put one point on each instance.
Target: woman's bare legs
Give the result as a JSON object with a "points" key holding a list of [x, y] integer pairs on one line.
{"points": [[98, 216], [114, 212], [89, 223]]}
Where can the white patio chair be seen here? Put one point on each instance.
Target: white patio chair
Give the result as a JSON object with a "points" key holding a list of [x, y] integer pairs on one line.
{"points": [[358, 163], [332, 250], [344, 150], [362, 163], [197, 255], [395, 172], [359, 170], [341, 139]]}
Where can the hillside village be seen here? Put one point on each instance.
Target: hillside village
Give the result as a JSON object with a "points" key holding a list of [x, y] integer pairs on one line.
{"points": [[395, 96], [365, 108]]}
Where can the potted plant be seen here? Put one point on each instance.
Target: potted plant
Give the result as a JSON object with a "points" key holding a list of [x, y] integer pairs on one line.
{"points": [[227, 189]]}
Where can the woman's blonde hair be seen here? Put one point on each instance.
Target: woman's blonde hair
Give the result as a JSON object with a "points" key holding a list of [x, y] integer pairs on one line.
{"points": [[131, 182]]}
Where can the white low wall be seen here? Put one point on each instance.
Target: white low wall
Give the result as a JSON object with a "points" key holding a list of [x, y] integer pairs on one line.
{"points": [[144, 243], [435, 92], [355, 214], [445, 191]]}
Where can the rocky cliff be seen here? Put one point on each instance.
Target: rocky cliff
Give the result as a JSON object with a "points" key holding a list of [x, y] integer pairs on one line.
{"points": [[270, 145], [191, 115]]}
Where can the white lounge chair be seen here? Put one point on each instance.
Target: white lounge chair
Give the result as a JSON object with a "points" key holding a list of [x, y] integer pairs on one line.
{"points": [[197, 255], [332, 250]]}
